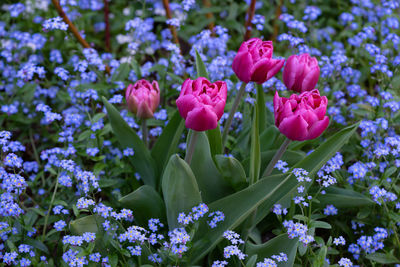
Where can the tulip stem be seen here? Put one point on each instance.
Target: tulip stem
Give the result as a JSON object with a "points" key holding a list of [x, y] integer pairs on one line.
{"points": [[276, 157], [232, 112], [192, 145], [144, 132]]}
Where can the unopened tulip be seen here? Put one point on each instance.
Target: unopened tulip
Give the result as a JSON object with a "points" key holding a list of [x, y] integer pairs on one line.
{"points": [[143, 98], [301, 117], [254, 61], [301, 73], [201, 103]]}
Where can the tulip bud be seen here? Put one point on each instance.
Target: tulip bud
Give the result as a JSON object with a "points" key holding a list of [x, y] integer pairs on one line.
{"points": [[201, 103], [254, 61], [143, 98], [301, 73], [301, 117]]}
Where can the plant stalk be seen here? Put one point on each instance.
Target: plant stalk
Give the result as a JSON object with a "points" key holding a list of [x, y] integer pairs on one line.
{"points": [[232, 112], [276, 157], [49, 210], [192, 145], [144, 132], [73, 29], [107, 22], [250, 15]]}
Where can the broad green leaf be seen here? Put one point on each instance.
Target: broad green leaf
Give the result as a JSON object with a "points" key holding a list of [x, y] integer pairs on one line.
{"points": [[313, 163], [167, 142], [121, 73], [263, 194], [237, 207], [255, 156], [268, 137], [180, 189], [262, 121], [215, 140], [382, 258], [211, 184], [320, 224], [276, 245], [141, 160], [232, 171], [251, 262], [91, 223], [146, 203], [344, 198], [200, 67]]}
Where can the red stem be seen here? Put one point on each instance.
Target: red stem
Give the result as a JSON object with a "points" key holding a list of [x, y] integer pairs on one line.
{"points": [[250, 15], [107, 22]]}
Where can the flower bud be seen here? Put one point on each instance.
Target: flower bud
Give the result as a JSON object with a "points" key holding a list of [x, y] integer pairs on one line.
{"points": [[301, 117], [254, 61], [201, 103], [143, 98], [301, 73]]}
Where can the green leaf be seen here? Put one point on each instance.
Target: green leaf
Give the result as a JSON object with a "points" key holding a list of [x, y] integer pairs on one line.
{"points": [[263, 195], [36, 244], [320, 224], [146, 203], [251, 262], [382, 258], [255, 156], [275, 246], [89, 223], [268, 137], [262, 121], [232, 171], [344, 198], [200, 67], [180, 189], [121, 73], [321, 256], [167, 142], [211, 184], [141, 160], [215, 140]]}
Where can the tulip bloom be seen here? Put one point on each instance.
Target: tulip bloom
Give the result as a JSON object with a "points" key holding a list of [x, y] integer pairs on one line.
{"points": [[201, 103], [301, 117], [143, 98], [301, 73], [254, 61]]}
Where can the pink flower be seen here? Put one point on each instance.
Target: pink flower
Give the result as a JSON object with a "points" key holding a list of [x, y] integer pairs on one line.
{"points": [[301, 117], [202, 103], [143, 98], [301, 73], [254, 61]]}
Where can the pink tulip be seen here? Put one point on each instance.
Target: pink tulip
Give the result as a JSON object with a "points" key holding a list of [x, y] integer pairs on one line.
{"points": [[202, 103], [301, 117], [301, 73], [143, 98], [254, 61]]}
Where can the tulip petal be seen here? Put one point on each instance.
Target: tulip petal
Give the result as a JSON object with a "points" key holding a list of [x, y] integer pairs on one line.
{"points": [[275, 66], [290, 71], [201, 119], [186, 103], [310, 80], [260, 70], [294, 128], [242, 64], [318, 128]]}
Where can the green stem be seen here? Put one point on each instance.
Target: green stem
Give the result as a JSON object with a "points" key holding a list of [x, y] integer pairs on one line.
{"points": [[49, 210], [276, 157], [192, 144], [144, 132], [232, 112]]}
